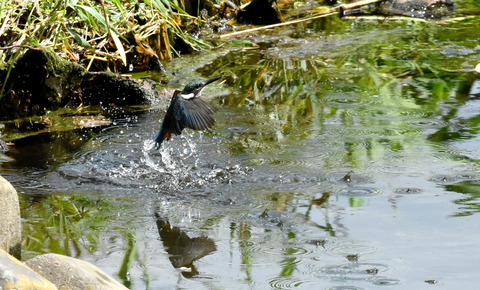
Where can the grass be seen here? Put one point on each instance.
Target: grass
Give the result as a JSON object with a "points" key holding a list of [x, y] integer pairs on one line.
{"points": [[103, 34]]}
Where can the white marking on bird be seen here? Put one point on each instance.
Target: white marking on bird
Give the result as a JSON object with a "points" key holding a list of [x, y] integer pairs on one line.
{"points": [[187, 96]]}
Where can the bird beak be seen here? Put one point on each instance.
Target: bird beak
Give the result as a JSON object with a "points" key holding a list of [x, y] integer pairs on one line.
{"points": [[211, 81]]}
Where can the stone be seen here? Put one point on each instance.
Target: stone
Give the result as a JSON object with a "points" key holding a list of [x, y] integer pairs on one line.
{"points": [[42, 81], [15, 275], [3, 144], [416, 8], [260, 12], [427, 9], [70, 273], [10, 225]]}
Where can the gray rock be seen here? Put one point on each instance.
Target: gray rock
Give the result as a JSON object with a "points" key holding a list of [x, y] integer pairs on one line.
{"points": [[70, 273], [15, 275], [10, 225], [417, 8], [3, 145]]}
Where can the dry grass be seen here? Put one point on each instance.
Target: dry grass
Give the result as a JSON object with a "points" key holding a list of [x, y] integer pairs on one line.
{"points": [[102, 34]]}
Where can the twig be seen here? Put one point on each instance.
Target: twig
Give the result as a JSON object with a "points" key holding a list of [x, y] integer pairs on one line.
{"points": [[93, 57], [357, 4], [276, 25], [19, 45], [379, 17], [332, 11]]}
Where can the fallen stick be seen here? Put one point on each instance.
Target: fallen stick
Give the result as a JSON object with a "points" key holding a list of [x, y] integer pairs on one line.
{"points": [[330, 12], [357, 4], [276, 25], [20, 46]]}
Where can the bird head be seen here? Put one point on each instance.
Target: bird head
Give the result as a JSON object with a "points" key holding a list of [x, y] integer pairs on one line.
{"points": [[194, 89]]}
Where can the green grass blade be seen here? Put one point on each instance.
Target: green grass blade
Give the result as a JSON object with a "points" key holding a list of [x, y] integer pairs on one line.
{"points": [[79, 39], [93, 12]]}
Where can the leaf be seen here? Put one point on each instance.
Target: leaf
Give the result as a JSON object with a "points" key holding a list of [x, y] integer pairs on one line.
{"points": [[79, 39], [322, 10], [94, 13], [119, 46]]}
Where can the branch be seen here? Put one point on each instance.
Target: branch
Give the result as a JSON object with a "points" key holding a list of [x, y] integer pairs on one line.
{"points": [[19, 45], [276, 25], [332, 11]]}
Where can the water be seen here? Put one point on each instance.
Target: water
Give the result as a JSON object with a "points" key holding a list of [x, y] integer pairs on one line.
{"points": [[344, 157]]}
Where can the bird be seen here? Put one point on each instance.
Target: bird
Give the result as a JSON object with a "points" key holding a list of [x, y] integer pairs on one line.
{"points": [[187, 110]]}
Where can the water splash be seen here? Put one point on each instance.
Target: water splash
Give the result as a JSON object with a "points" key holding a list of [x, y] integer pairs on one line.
{"points": [[148, 145]]}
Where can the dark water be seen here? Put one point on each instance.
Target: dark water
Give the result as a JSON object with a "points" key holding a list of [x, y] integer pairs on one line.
{"points": [[345, 156]]}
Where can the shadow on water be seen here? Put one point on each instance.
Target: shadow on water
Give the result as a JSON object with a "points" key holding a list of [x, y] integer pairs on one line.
{"points": [[344, 156]]}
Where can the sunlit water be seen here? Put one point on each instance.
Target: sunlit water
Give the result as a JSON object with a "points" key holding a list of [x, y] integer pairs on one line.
{"points": [[367, 182]]}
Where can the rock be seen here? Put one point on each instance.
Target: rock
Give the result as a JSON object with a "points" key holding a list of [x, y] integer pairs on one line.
{"points": [[15, 275], [3, 145], [260, 12], [10, 225], [92, 121], [416, 8], [41, 81], [70, 273], [427, 9]]}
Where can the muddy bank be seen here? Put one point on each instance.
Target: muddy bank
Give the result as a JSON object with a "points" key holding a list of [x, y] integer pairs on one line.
{"points": [[41, 81]]}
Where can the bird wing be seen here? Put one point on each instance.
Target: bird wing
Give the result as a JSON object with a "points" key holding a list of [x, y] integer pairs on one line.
{"points": [[197, 114], [193, 113], [182, 113]]}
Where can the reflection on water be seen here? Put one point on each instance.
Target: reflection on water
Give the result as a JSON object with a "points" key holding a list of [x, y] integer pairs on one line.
{"points": [[63, 224], [344, 157], [182, 249]]}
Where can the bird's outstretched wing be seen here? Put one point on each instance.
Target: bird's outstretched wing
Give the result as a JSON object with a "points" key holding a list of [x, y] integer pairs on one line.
{"points": [[198, 114], [193, 113]]}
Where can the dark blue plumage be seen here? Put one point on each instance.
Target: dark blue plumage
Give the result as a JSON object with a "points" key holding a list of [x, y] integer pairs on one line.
{"points": [[187, 110]]}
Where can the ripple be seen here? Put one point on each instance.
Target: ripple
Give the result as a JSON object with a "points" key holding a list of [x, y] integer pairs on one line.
{"points": [[317, 243], [237, 129], [427, 123], [450, 154], [384, 281], [345, 288], [408, 190], [359, 191], [343, 247], [359, 271], [349, 177], [446, 178], [347, 101], [284, 283], [295, 251], [284, 161]]}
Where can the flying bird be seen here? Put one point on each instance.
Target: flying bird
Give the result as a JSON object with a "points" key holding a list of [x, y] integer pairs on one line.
{"points": [[187, 110]]}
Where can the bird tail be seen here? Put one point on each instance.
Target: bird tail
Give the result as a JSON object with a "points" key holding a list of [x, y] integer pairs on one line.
{"points": [[159, 139], [163, 134]]}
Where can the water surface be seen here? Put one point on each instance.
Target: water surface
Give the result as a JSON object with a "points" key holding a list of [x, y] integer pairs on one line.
{"points": [[345, 156]]}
